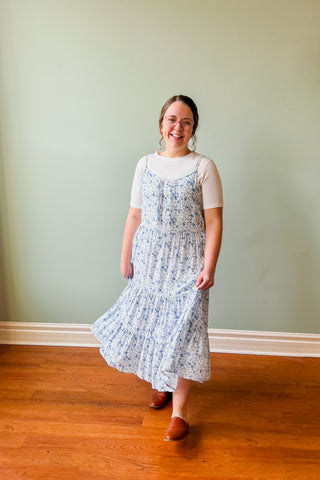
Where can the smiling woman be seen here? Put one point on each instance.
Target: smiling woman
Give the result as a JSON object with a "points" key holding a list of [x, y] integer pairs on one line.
{"points": [[178, 123], [158, 327]]}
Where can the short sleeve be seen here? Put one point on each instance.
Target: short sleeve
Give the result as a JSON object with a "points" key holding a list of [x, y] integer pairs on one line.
{"points": [[212, 194], [136, 190]]}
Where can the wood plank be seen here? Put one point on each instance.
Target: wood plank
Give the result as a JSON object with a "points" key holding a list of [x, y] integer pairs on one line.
{"points": [[109, 413], [124, 464], [55, 472], [11, 439]]}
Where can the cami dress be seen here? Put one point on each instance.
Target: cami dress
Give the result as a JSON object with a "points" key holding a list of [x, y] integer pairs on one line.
{"points": [[157, 328]]}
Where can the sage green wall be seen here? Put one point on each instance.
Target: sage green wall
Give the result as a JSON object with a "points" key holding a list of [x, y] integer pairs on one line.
{"points": [[82, 83]]}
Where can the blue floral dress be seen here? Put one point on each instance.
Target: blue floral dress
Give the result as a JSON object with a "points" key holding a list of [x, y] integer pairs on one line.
{"points": [[157, 329]]}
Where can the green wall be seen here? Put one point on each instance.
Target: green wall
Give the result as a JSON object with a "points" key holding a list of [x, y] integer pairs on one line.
{"points": [[82, 84]]}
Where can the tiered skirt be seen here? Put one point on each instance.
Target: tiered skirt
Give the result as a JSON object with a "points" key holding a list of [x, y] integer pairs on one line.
{"points": [[157, 328]]}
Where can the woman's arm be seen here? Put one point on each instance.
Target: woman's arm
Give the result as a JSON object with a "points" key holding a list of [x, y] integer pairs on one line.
{"points": [[213, 225], [132, 223]]}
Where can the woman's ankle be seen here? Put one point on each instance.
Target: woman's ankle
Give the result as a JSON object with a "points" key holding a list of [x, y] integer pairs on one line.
{"points": [[180, 413]]}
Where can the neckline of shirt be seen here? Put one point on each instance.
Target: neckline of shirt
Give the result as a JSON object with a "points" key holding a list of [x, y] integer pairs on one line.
{"points": [[170, 159]]}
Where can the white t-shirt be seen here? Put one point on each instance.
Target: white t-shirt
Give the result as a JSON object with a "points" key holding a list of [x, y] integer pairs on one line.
{"points": [[177, 167]]}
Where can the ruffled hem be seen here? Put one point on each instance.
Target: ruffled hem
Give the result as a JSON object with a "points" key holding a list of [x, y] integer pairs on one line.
{"points": [[158, 337]]}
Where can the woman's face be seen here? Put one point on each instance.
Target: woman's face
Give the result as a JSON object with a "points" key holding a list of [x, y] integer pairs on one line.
{"points": [[177, 127]]}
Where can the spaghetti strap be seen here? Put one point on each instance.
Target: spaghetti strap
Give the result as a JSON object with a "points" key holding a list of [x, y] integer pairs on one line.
{"points": [[198, 162]]}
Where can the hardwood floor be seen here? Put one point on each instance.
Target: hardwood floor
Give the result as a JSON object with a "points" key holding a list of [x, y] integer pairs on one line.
{"points": [[64, 414]]}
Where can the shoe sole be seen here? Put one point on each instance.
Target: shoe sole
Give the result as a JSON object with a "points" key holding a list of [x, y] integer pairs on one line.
{"points": [[158, 407], [174, 439]]}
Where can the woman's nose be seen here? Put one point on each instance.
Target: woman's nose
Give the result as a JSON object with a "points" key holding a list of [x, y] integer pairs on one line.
{"points": [[177, 125]]}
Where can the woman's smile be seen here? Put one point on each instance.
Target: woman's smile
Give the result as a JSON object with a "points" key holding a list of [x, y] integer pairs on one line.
{"points": [[175, 135]]}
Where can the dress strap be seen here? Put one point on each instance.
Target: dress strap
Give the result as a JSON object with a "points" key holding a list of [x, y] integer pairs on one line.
{"points": [[198, 162]]}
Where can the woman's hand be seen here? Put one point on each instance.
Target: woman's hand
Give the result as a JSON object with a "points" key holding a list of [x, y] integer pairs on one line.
{"points": [[205, 280], [126, 269]]}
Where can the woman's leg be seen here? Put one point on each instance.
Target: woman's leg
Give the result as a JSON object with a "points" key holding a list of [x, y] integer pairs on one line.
{"points": [[180, 398]]}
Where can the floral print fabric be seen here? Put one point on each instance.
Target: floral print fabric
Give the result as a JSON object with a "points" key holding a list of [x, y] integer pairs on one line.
{"points": [[157, 329]]}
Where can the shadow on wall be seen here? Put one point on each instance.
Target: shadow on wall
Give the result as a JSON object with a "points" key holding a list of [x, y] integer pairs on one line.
{"points": [[279, 236], [3, 297]]}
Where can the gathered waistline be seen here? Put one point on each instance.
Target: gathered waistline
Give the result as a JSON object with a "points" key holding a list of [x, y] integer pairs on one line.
{"points": [[165, 230]]}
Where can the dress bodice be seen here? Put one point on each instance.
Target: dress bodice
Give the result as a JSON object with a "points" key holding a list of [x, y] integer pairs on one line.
{"points": [[173, 205]]}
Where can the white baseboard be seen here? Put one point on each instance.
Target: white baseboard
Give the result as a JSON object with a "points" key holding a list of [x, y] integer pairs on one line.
{"points": [[264, 343], [221, 341], [54, 334]]}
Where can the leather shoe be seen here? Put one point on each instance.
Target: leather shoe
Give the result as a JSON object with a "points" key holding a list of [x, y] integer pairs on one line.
{"points": [[177, 430], [160, 399]]}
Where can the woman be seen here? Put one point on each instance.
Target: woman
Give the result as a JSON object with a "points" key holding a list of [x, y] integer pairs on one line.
{"points": [[158, 327]]}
